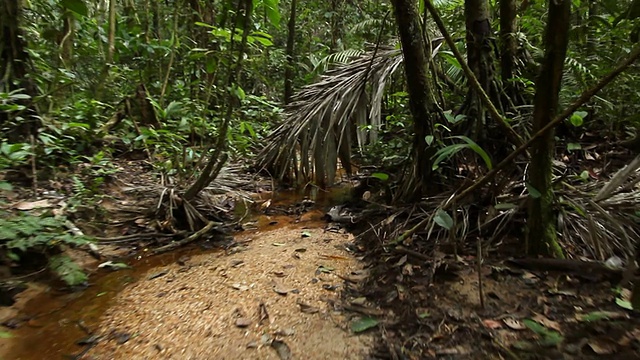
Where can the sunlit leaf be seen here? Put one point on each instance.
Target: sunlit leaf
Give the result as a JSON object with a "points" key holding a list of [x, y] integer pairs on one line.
{"points": [[381, 176]]}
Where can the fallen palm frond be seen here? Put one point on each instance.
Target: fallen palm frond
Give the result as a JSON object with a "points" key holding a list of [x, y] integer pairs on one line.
{"points": [[603, 215], [321, 122], [597, 219]]}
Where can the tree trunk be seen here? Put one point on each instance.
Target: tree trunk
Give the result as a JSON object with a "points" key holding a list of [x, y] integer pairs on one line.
{"points": [[508, 48], [592, 25], [13, 73], [219, 157], [112, 31], [290, 71], [541, 236], [421, 98], [68, 33], [480, 60]]}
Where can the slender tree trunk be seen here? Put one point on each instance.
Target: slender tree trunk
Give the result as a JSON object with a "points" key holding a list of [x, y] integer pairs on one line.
{"points": [[112, 31], [541, 237], [219, 157], [508, 47], [13, 73], [421, 98], [592, 25], [480, 60], [66, 44], [290, 70]]}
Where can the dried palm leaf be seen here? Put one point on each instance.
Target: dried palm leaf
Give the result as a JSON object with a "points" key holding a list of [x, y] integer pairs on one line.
{"points": [[326, 117]]}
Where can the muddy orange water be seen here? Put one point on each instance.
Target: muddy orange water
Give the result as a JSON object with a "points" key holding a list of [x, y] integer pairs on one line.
{"points": [[53, 332]]}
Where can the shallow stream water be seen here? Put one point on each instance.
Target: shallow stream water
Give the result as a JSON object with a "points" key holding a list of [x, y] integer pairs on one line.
{"points": [[53, 331]]}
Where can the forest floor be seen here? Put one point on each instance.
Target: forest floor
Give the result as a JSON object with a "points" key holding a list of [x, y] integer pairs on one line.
{"points": [[299, 287]]}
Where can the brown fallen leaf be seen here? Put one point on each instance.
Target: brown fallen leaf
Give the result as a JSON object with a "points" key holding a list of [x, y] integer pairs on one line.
{"points": [[514, 324], [602, 346], [30, 205], [491, 324], [263, 314], [243, 322], [307, 309], [359, 301], [280, 289]]}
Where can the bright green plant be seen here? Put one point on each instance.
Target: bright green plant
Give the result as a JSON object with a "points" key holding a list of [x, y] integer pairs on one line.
{"points": [[22, 233]]}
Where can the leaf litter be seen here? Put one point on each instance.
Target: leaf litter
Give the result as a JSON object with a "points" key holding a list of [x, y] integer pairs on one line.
{"points": [[217, 309]]}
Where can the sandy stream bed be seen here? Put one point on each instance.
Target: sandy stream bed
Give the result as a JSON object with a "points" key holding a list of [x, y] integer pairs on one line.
{"points": [[279, 284]]}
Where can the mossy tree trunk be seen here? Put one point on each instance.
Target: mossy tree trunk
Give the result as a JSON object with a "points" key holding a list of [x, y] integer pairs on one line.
{"points": [[541, 236], [480, 59], [421, 98]]}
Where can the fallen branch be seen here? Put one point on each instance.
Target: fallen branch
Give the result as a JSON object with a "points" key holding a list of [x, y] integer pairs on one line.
{"points": [[193, 237], [125, 238]]}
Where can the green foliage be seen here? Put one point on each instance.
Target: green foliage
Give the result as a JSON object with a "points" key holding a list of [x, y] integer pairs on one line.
{"points": [[14, 155], [449, 151], [363, 324], [77, 6], [22, 233], [443, 219], [67, 270], [547, 337]]}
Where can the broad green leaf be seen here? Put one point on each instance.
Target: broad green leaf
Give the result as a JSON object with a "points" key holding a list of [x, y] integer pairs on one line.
{"points": [[574, 146], [446, 153], [363, 324], [210, 65], [624, 304], [5, 186], [381, 176], [271, 10], [263, 38], [577, 118], [475, 147], [443, 219], [77, 6], [533, 192], [429, 139]]}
